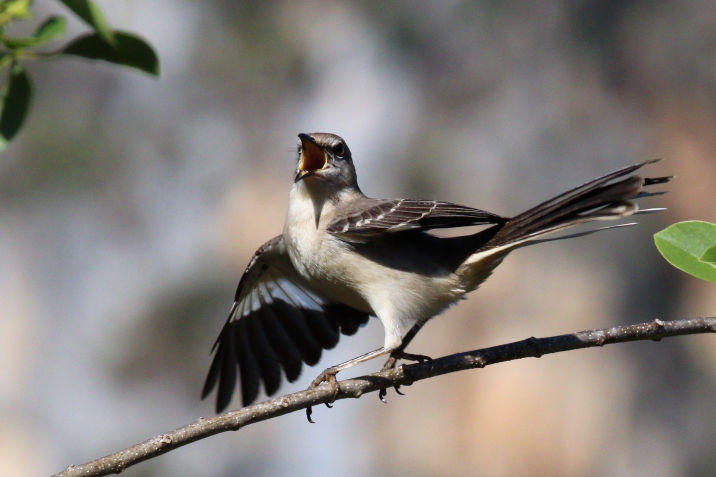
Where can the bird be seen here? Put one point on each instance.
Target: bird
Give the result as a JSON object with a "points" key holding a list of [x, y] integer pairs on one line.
{"points": [[343, 257]]}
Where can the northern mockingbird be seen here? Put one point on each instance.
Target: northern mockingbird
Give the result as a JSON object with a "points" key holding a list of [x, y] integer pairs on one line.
{"points": [[343, 257]]}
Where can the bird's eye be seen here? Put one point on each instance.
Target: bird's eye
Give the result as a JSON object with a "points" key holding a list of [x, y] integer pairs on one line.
{"points": [[339, 150]]}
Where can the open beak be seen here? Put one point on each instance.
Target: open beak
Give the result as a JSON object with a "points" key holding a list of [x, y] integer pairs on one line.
{"points": [[313, 158]]}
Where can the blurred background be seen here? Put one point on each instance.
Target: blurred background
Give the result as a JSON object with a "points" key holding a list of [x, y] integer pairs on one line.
{"points": [[129, 207]]}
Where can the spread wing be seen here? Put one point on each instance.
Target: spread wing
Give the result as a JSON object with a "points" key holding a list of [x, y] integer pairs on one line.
{"points": [[374, 217], [276, 323]]}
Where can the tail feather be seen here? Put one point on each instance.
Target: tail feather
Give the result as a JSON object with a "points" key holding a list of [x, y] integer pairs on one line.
{"points": [[608, 197], [644, 194], [657, 180], [558, 201], [603, 198], [598, 203], [579, 234]]}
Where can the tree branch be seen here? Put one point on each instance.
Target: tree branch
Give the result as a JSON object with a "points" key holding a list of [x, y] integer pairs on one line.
{"points": [[402, 375]]}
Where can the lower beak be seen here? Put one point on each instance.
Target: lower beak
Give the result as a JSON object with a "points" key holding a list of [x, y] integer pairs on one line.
{"points": [[313, 157]]}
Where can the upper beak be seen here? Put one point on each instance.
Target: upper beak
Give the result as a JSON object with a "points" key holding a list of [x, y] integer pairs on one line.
{"points": [[313, 157]]}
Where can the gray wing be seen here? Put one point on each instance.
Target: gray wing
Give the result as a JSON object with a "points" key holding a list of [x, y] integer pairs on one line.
{"points": [[276, 323], [376, 217]]}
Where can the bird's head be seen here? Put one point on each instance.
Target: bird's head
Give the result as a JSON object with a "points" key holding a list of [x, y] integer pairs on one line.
{"points": [[324, 160]]}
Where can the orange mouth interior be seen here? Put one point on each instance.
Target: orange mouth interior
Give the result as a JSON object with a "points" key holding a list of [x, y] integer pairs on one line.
{"points": [[312, 157]]}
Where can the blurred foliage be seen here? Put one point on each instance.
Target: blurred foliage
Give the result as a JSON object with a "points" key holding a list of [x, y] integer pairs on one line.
{"points": [[114, 46], [691, 247]]}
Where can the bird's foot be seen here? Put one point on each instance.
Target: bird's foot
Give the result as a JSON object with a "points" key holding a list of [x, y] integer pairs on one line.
{"points": [[393, 361], [327, 376], [396, 355]]}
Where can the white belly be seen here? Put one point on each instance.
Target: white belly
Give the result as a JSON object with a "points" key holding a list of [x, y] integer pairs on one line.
{"points": [[399, 298]]}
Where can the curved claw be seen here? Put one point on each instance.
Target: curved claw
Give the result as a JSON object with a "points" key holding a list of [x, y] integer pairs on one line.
{"points": [[309, 411], [383, 392], [329, 376], [420, 358]]}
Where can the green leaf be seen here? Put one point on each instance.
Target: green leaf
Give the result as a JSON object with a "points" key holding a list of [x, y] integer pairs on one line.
{"points": [[5, 59], [14, 104], [685, 244], [14, 10], [709, 255], [130, 51], [52, 29], [93, 16]]}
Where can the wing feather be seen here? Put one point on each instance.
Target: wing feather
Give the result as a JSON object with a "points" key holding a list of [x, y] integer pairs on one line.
{"points": [[269, 364], [292, 319], [277, 322], [227, 378], [248, 368], [374, 217], [280, 341]]}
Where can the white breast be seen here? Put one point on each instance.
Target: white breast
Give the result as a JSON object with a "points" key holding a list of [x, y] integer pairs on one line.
{"points": [[398, 297], [318, 256]]}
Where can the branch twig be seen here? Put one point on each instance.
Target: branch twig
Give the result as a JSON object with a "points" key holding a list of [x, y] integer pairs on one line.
{"points": [[402, 375]]}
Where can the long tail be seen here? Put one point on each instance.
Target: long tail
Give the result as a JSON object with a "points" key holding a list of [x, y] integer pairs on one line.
{"points": [[608, 197], [603, 198]]}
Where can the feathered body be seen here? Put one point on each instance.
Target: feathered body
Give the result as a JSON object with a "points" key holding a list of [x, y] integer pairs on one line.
{"points": [[343, 256]]}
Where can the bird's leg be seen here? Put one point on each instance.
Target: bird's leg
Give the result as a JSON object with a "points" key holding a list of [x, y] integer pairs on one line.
{"points": [[399, 353], [329, 374]]}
